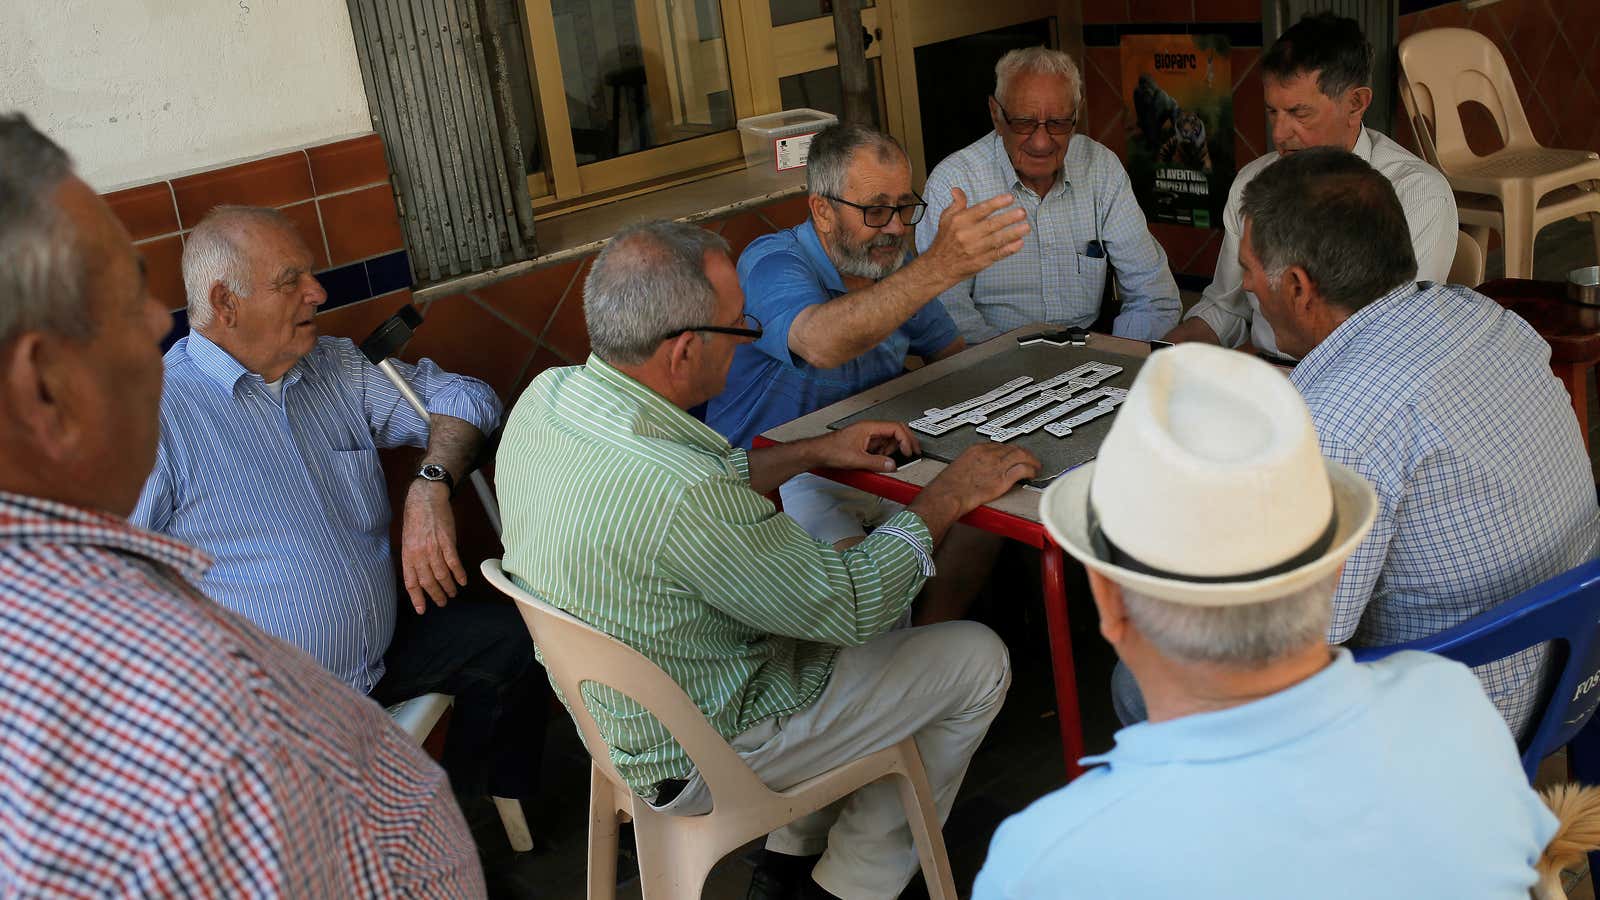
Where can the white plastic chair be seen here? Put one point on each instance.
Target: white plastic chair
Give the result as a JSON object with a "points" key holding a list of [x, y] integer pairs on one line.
{"points": [[417, 718], [1467, 267], [677, 852]]}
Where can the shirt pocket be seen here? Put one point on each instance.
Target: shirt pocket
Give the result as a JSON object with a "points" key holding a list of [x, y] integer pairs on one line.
{"points": [[1089, 285], [358, 490]]}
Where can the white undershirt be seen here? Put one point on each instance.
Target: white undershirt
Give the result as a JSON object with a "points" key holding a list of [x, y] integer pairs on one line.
{"points": [[275, 388]]}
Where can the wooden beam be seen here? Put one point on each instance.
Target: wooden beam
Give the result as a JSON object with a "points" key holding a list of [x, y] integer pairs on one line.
{"points": [[853, 78]]}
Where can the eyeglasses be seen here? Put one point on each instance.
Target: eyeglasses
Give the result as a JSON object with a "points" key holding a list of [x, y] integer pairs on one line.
{"points": [[1026, 127], [751, 329], [878, 216]]}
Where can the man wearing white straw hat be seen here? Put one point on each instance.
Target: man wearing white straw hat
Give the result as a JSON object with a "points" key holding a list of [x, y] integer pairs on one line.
{"points": [[1214, 532]]}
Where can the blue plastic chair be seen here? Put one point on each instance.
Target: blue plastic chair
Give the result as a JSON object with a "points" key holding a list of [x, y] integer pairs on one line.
{"points": [[1566, 611]]}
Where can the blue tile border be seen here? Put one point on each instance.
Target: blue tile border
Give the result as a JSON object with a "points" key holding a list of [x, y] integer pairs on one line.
{"points": [[390, 272], [346, 284]]}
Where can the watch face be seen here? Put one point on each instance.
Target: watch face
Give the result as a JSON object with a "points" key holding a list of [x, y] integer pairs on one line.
{"points": [[433, 472]]}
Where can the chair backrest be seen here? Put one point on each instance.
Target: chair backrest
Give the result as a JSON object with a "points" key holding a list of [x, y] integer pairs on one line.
{"points": [[1564, 610], [576, 653], [1467, 267], [1442, 68]]}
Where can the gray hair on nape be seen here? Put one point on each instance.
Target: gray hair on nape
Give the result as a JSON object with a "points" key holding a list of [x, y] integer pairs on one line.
{"points": [[649, 281], [216, 252], [42, 266], [1247, 636], [832, 150], [1038, 61]]}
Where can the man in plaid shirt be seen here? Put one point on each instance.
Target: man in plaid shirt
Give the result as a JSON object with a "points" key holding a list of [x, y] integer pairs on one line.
{"points": [[151, 742]]}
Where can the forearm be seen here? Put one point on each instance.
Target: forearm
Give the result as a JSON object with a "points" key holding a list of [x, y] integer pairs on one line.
{"points": [[1194, 329], [452, 443], [938, 509], [833, 333], [772, 466]]}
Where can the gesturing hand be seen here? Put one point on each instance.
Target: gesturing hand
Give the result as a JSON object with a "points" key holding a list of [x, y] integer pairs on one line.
{"points": [[867, 445], [971, 238], [428, 555]]}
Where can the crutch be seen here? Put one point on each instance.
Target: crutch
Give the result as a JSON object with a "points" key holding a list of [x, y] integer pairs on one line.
{"points": [[386, 341]]}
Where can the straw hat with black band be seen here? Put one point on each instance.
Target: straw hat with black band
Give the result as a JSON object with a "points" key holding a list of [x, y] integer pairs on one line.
{"points": [[1210, 489]]}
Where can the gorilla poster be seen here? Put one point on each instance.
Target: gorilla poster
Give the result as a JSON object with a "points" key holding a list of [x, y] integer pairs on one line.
{"points": [[1178, 98]]}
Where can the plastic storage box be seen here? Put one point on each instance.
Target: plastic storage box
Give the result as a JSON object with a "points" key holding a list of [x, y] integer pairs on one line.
{"points": [[777, 143]]}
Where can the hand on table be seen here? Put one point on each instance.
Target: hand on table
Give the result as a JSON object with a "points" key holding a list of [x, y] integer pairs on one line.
{"points": [[984, 472], [867, 445], [428, 557], [971, 238]]}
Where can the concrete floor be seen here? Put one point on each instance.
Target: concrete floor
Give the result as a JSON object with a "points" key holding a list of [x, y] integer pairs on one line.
{"points": [[1018, 762]]}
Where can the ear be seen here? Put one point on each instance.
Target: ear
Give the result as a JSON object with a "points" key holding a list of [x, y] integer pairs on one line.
{"points": [[1357, 101], [34, 391], [224, 306], [683, 358], [994, 114], [821, 213], [1300, 289], [1108, 602]]}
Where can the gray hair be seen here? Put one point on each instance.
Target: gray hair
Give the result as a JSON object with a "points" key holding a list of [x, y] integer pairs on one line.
{"points": [[42, 267], [828, 160], [1038, 61], [1330, 213], [649, 281], [1250, 635], [216, 253]]}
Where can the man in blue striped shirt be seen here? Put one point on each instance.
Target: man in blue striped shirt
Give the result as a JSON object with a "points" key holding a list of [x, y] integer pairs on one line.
{"points": [[269, 461]]}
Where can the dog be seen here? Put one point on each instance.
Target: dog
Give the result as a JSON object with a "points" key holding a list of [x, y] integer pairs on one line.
{"points": [[1578, 810]]}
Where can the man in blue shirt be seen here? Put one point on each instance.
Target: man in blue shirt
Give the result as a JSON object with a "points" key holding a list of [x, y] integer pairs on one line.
{"points": [[1214, 531], [269, 461], [842, 301]]}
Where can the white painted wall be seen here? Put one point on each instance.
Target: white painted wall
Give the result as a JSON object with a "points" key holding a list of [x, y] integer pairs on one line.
{"points": [[143, 89]]}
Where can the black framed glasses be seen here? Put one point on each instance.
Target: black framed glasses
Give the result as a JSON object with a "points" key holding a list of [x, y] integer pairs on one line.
{"points": [[750, 329], [1025, 127], [878, 215]]}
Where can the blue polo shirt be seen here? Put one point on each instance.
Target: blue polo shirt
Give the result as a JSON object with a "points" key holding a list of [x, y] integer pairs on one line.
{"points": [[1391, 779], [782, 274]]}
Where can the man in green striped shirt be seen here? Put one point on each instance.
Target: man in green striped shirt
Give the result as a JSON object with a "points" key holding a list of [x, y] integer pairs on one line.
{"points": [[625, 511]]}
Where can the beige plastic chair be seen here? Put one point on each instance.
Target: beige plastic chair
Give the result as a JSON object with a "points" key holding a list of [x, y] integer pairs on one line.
{"points": [[1517, 190], [677, 852], [1467, 267], [417, 718]]}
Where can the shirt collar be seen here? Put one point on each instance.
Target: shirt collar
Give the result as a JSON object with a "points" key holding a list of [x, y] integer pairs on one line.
{"points": [[220, 366], [1321, 356], [1363, 147], [658, 417], [1008, 172], [1252, 728], [37, 520], [811, 246]]}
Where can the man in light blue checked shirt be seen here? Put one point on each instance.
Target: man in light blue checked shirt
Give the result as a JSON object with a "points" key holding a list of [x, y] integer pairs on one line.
{"points": [[1085, 221], [1435, 394], [269, 462]]}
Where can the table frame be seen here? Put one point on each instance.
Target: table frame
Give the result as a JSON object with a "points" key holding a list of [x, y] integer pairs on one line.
{"points": [[1014, 516]]}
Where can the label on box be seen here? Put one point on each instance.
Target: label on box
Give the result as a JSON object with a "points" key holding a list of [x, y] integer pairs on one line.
{"points": [[791, 152]]}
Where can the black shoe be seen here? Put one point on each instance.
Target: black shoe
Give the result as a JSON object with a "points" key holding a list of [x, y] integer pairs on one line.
{"points": [[780, 876]]}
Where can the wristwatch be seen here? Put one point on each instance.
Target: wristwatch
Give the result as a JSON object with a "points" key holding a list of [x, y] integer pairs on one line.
{"points": [[436, 472]]}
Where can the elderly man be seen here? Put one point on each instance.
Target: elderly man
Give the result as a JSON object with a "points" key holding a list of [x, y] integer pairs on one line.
{"points": [[1213, 532], [843, 303], [156, 744], [269, 462], [783, 641], [1317, 80], [1438, 396], [1078, 200]]}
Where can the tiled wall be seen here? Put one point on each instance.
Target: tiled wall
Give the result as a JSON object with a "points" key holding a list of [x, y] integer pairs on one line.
{"points": [[1192, 252], [1552, 48]]}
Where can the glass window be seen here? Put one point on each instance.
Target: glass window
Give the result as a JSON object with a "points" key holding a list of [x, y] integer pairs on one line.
{"points": [[821, 89], [642, 73], [788, 12]]}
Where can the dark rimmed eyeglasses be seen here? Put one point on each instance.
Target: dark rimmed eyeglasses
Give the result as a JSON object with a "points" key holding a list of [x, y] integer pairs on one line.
{"points": [[1025, 127], [878, 215], [751, 329]]}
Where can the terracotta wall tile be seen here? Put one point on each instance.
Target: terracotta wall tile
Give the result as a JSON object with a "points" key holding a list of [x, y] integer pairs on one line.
{"points": [[360, 224], [467, 339], [1499, 20], [787, 213], [1227, 10], [530, 299], [1103, 95], [357, 320], [1161, 10], [1451, 15], [163, 259], [275, 181], [740, 230], [1249, 108], [344, 165], [1182, 243], [1105, 12], [309, 227], [567, 334], [146, 211], [542, 359], [1537, 35]]}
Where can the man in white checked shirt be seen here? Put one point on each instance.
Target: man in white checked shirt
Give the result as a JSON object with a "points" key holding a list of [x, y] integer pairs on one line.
{"points": [[1435, 394], [1086, 224]]}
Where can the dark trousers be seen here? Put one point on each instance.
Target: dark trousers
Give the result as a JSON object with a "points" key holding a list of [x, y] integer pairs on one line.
{"points": [[479, 652]]}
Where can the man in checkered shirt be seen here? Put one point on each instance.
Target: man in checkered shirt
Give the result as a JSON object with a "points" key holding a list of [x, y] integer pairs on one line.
{"points": [[151, 742], [1440, 397]]}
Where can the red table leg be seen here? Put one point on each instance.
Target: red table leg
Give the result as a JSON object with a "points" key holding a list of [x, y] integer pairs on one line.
{"points": [[1055, 615]]}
